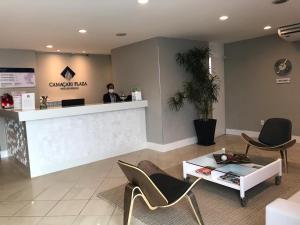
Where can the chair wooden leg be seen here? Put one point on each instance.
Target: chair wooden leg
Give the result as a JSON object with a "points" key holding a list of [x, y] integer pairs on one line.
{"points": [[247, 149], [283, 154], [195, 207], [129, 195], [286, 169]]}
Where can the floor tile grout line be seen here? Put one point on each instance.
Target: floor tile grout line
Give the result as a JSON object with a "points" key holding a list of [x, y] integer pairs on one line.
{"points": [[15, 214], [111, 216], [47, 215], [97, 189], [29, 202], [20, 192], [76, 217], [52, 208], [87, 201], [68, 191]]}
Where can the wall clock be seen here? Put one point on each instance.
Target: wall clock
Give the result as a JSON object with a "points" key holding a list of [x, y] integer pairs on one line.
{"points": [[283, 67]]}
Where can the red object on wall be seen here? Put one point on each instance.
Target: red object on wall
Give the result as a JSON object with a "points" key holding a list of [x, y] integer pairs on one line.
{"points": [[7, 101]]}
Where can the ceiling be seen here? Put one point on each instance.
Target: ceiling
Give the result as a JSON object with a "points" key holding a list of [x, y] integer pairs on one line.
{"points": [[33, 24]]}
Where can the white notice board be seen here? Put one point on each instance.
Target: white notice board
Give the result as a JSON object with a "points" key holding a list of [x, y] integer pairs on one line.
{"points": [[28, 101], [17, 77]]}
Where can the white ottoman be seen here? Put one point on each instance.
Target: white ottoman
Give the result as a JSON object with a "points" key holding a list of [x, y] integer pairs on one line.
{"points": [[284, 212]]}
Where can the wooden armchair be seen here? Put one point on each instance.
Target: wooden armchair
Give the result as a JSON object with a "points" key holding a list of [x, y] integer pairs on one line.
{"points": [[158, 189], [276, 135]]}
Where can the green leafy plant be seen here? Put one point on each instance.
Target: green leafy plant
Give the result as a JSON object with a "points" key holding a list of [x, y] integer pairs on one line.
{"points": [[203, 87]]}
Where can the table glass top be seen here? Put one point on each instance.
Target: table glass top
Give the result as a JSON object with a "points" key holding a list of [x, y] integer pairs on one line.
{"points": [[239, 169]]}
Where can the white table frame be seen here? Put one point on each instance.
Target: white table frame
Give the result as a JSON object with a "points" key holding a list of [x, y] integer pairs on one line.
{"points": [[246, 182]]}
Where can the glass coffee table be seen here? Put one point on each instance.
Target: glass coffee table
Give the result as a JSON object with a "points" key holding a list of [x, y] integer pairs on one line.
{"points": [[241, 177]]}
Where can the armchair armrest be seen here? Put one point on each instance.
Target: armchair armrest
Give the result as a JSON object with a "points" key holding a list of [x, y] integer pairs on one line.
{"points": [[262, 146], [252, 142], [281, 211], [286, 145]]}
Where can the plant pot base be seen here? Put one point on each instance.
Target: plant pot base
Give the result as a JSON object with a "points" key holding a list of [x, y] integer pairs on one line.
{"points": [[205, 131], [206, 144]]}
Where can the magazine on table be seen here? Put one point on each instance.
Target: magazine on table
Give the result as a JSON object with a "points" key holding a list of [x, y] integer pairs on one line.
{"points": [[239, 170], [231, 177], [205, 170]]}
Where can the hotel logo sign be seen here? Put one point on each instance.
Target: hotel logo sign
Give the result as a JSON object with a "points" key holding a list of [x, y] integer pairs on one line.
{"points": [[68, 74]]}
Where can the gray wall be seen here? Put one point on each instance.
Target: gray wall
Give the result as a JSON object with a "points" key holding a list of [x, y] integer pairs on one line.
{"points": [[217, 67], [176, 125], [251, 90], [136, 66], [151, 66], [18, 58]]}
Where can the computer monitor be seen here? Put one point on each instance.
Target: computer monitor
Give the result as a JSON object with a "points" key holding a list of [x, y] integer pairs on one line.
{"points": [[72, 102]]}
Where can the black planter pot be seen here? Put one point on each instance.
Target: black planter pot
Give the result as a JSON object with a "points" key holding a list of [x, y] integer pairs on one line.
{"points": [[205, 131]]}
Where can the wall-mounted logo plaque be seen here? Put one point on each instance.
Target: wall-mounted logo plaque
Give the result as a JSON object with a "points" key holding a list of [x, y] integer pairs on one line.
{"points": [[68, 74]]}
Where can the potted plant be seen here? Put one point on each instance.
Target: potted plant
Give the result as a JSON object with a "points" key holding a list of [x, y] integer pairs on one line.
{"points": [[201, 90]]}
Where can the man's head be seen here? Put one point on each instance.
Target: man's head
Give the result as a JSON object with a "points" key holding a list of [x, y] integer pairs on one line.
{"points": [[110, 87]]}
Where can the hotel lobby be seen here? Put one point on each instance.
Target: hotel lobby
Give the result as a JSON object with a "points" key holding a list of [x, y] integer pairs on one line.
{"points": [[148, 112]]}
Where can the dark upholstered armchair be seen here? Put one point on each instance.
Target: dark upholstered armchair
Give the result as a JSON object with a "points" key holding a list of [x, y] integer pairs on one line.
{"points": [[276, 135], [158, 189]]}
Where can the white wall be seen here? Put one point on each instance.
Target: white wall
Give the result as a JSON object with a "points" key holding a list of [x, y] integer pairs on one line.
{"points": [[217, 63], [93, 69]]}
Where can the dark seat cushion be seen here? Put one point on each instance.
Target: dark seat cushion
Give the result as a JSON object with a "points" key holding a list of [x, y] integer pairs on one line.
{"points": [[171, 187], [276, 131]]}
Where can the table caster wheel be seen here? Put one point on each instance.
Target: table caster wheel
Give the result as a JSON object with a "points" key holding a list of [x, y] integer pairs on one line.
{"points": [[244, 202], [278, 180]]}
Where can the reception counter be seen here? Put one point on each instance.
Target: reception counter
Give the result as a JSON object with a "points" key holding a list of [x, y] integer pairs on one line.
{"points": [[50, 140]]}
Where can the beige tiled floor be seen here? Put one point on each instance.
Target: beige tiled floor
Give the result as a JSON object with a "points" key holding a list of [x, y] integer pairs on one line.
{"points": [[10, 208], [57, 220], [70, 197], [36, 208]]}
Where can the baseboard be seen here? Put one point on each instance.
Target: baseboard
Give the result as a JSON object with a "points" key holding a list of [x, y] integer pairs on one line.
{"points": [[297, 138], [253, 134], [171, 146], [220, 132], [4, 154]]}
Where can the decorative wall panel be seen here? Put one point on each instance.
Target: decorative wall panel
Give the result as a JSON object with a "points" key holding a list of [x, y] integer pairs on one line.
{"points": [[17, 141]]}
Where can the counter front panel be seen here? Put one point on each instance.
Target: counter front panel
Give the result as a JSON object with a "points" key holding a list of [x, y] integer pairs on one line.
{"points": [[58, 139]]}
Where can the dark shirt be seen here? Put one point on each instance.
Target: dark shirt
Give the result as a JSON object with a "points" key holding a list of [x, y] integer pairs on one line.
{"points": [[109, 98]]}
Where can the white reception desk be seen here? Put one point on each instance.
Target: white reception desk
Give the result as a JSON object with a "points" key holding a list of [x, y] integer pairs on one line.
{"points": [[50, 140]]}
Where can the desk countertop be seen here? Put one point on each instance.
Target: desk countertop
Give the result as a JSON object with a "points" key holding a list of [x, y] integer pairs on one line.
{"points": [[40, 114]]}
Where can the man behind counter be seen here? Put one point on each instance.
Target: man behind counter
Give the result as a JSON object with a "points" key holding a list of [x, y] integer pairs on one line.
{"points": [[110, 96]]}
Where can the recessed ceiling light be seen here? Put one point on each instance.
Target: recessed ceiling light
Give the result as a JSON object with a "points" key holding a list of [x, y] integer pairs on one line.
{"points": [[83, 52], [82, 31], [223, 18], [121, 34], [143, 2], [267, 27], [49, 46], [58, 50], [276, 2]]}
